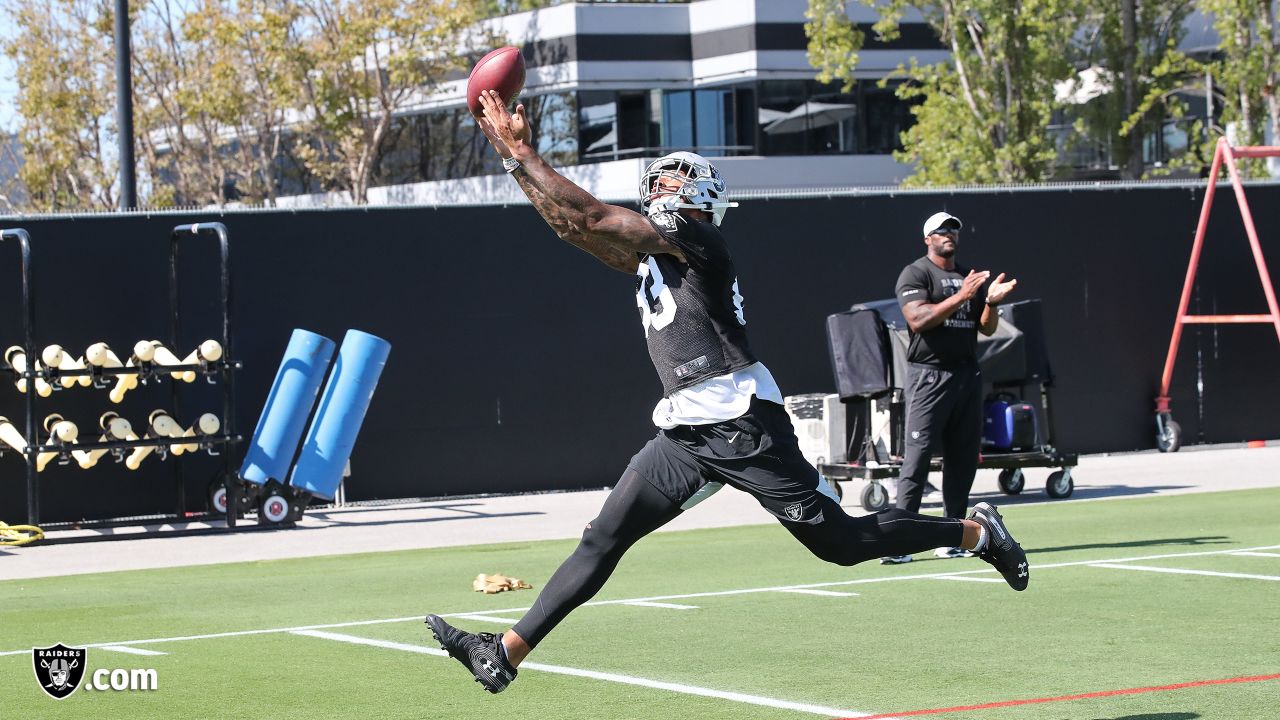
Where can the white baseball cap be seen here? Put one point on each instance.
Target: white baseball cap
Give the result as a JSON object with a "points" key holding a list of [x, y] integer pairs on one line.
{"points": [[941, 219]]}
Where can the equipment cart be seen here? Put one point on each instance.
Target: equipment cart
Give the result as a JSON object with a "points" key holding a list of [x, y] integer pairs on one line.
{"points": [[868, 351]]}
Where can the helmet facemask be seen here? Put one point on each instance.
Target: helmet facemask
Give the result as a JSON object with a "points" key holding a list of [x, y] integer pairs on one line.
{"points": [[697, 186]]}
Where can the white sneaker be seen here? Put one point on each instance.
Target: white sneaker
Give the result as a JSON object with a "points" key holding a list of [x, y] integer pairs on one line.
{"points": [[896, 560], [947, 553]]}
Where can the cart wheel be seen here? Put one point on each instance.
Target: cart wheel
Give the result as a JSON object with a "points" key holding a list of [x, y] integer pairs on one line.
{"points": [[217, 497], [835, 487], [1060, 484], [1012, 480], [1171, 439], [875, 497], [274, 509]]}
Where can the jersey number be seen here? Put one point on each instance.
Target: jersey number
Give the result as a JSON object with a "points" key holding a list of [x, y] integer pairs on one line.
{"points": [[658, 305]]}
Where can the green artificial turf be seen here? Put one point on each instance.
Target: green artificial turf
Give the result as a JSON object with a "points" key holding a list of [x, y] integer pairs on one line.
{"points": [[900, 645]]}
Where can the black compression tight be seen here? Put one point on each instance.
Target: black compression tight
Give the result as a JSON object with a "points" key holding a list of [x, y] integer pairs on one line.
{"points": [[847, 540], [634, 509]]}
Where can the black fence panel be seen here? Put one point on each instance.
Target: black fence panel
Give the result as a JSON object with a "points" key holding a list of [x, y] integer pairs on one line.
{"points": [[518, 362]]}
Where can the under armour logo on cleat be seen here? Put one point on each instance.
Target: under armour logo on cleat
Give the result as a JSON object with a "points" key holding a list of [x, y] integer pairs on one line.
{"points": [[1022, 570], [489, 666]]}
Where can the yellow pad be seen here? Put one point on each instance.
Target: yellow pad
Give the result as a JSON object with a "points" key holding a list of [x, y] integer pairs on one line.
{"points": [[14, 535], [491, 584]]}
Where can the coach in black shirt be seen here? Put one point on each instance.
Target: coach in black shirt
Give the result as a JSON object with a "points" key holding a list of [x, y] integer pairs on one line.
{"points": [[946, 305]]}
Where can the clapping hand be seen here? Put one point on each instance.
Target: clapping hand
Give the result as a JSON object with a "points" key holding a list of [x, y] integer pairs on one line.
{"points": [[1000, 288], [972, 283]]}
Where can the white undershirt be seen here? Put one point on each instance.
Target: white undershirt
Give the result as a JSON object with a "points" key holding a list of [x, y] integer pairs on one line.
{"points": [[717, 399]]}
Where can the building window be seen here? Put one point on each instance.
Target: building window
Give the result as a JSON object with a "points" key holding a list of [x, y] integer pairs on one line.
{"points": [[799, 117], [677, 119], [783, 128], [555, 126], [597, 125], [884, 118], [832, 120]]}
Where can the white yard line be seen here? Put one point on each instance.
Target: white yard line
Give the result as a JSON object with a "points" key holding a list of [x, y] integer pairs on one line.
{"points": [[971, 579], [1257, 554], [235, 633], [609, 677], [486, 618], [822, 593], [659, 598], [130, 650], [668, 606], [1180, 571]]}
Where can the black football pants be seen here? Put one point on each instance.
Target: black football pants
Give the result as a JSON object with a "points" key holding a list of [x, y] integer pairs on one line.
{"points": [[944, 413]]}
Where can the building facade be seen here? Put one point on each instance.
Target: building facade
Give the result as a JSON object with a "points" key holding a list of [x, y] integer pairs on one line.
{"points": [[610, 85]]}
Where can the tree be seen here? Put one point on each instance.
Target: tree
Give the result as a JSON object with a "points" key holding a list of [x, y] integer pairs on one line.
{"points": [[359, 63], [62, 52], [1239, 79], [214, 89], [1127, 43], [1248, 68], [984, 113]]}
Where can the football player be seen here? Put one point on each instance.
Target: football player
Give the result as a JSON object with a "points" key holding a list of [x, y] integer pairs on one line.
{"points": [[720, 421]]}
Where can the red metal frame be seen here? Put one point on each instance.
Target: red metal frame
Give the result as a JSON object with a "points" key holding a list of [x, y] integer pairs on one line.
{"points": [[1223, 153]]}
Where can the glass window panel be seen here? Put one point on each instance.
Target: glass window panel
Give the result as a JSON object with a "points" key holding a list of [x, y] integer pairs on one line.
{"points": [[677, 119], [744, 119], [887, 118], [555, 127], [1176, 139], [597, 125], [832, 117], [714, 113], [780, 116], [633, 123]]}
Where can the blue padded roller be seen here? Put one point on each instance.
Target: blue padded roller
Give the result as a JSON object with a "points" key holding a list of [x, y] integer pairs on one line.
{"points": [[342, 407], [285, 415]]}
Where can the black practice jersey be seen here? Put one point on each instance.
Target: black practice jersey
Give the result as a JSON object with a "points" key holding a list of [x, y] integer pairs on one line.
{"points": [[692, 313], [955, 341]]}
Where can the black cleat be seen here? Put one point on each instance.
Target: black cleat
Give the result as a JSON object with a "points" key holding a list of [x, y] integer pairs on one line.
{"points": [[481, 653], [1002, 550]]}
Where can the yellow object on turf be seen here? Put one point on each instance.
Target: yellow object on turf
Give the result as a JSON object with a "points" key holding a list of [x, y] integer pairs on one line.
{"points": [[13, 535], [490, 584]]}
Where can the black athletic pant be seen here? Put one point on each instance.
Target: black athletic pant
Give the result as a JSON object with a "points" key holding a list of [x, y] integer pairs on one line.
{"points": [[756, 453], [944, 412]]}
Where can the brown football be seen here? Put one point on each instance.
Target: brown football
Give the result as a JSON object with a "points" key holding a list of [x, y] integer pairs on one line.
{"points": [[501, 70]]}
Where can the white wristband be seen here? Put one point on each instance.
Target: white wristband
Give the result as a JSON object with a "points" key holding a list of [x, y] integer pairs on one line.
{"points": [[510, 164]]}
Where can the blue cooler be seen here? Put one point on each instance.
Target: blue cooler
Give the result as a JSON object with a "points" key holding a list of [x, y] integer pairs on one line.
{"points": [[1010, 425]]}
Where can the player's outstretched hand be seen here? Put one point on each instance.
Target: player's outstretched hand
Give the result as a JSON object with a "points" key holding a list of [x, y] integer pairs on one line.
{"points": [[1000, 289], [502, 129]]}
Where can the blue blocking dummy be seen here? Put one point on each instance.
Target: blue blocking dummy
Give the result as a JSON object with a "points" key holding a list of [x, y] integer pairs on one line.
{"points": [[342, 407], [288, 405]]}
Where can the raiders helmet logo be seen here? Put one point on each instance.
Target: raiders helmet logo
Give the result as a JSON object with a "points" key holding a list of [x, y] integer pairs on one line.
{"points": [[59, 669]]}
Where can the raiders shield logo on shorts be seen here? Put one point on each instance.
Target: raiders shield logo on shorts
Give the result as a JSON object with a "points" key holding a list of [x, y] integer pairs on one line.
{"points": [[794, 511], [59, 669]]}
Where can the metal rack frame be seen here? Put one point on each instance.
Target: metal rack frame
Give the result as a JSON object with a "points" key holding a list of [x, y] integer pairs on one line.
{"points": [[223, 367]]}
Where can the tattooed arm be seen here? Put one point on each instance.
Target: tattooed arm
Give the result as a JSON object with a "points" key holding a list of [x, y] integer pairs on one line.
{"points": [[611, 255], [616, 258], [599, 223]]}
